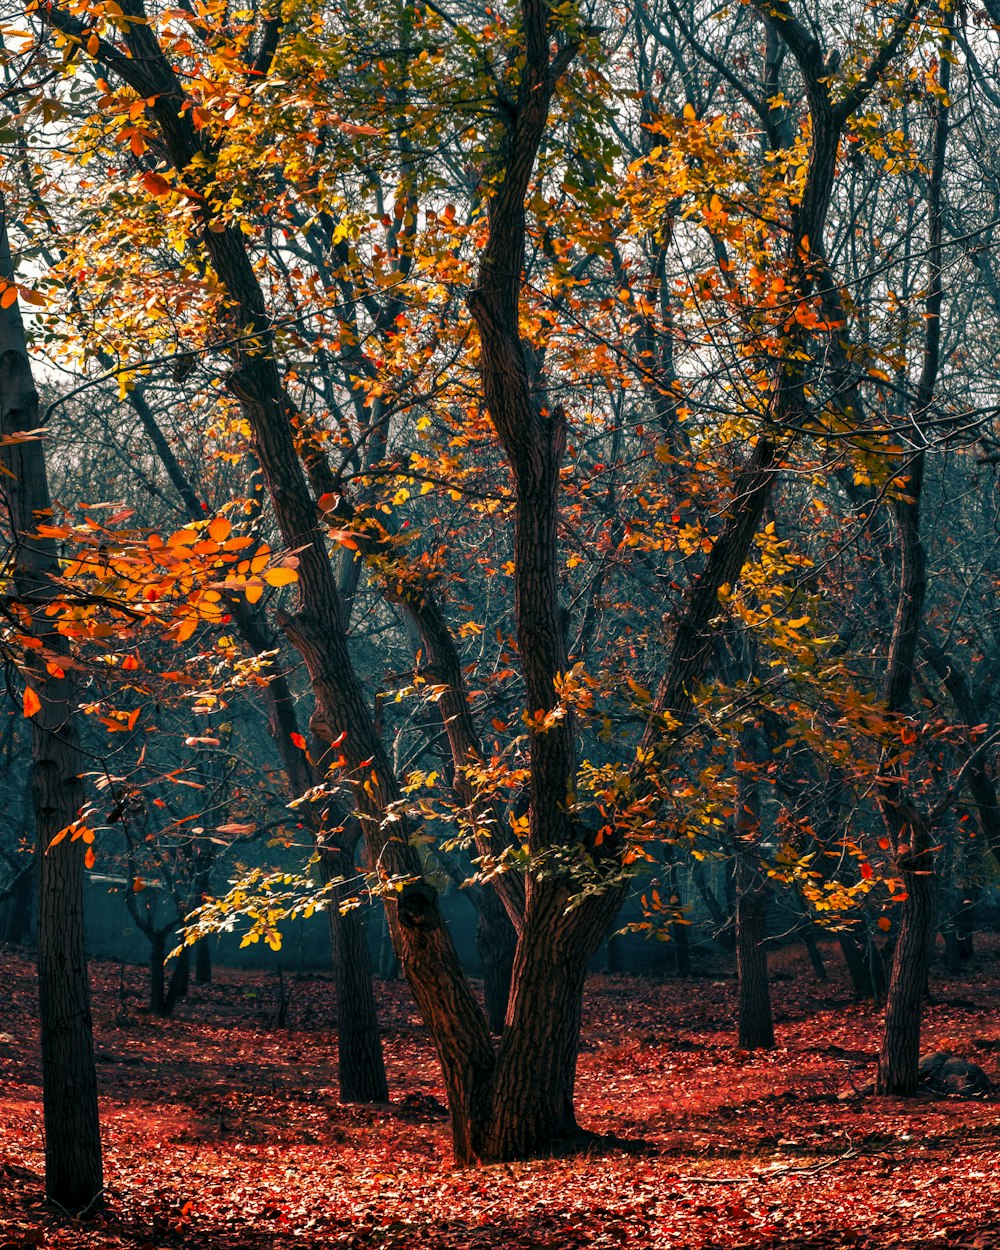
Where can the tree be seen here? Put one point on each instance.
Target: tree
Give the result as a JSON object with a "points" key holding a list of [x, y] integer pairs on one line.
{"points": [[73, 1167]]}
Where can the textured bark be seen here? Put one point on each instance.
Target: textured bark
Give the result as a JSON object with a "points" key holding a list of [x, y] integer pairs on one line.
{"points": [[73, 1169], [360, 1066], [899, 1055], [756, 1027]]}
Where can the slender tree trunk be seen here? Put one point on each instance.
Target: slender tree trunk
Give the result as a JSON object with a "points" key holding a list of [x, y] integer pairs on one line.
{"points": [[496, 941], [756, 1027], [180, 980], [865, 965], [73, 1168], [17, 906], [899, 1056], [900, 1053], [203, 963], [678, 929], [360, 1066], [157, 972]]}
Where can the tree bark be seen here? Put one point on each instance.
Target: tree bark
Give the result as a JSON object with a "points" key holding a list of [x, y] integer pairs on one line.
{"points": [[73, 1167], [360, 1065], [899, 1056], [755, 1021]]}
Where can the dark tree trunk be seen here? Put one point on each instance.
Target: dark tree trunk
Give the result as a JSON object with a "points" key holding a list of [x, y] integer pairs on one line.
{"points": [[900, 1052], [496, 942], [899, 1056], [360, 1066], [532, 1096], [756, 1026], [966, 920], [678, 929], [814, 953], [180, 980], [157, 973], [865, 966], [203, 962], [73, 1167], [17, 908]]}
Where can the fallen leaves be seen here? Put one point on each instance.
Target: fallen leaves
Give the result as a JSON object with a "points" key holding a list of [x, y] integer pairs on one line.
{"points": [[224, 1132]]}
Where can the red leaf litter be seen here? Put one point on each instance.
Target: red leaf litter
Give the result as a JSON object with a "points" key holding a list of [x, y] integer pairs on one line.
{"points": [[223, 1131]]}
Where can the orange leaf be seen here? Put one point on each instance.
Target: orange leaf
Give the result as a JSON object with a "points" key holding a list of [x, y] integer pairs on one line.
{"points": [[54, 670], [8, 297], [90, 859], [884, 923], [867, 871], [220, 529], [299, 741], [155, 184], [280, 577], [130, 664], [32, 703]]}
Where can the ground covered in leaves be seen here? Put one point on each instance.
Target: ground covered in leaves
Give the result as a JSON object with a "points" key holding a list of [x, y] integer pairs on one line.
{"points": [[222, 1129]]}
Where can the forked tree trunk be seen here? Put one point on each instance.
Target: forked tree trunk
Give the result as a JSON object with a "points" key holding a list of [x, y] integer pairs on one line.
{"points": [[532, 1096], [73, 1168]]}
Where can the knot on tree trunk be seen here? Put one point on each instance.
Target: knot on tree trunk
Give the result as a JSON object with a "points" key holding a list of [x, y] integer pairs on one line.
{"points": [[417, 906]]}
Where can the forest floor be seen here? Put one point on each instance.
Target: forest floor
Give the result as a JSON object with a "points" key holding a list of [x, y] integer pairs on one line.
{"points": [[223, 1130]]}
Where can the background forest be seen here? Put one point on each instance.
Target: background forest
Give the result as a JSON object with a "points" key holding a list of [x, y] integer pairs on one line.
{"points": [[542, 451]]}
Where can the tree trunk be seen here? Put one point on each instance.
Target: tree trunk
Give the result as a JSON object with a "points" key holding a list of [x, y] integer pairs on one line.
{"points": [[865, 966], [965, 921], [16, 923], [157, 972], [678, 929], [496, 942], [532, 1096], [900, 1052], [360, 1066], [203, 963], [899, 1056], [73, 1167], [180, 980], [756, 1027]]}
